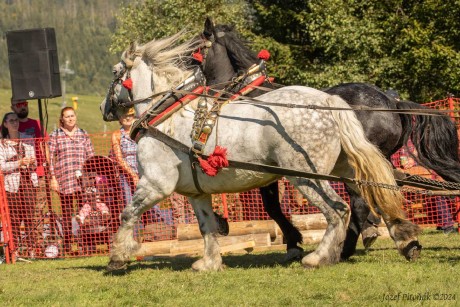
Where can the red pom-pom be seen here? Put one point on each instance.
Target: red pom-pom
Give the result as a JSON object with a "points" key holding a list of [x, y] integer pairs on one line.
{"points": [[198, 56], [264, 55], [216, 161], [128, 84]]}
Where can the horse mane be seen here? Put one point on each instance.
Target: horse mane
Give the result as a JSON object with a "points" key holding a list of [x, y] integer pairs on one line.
{"points": [[240, 54], [166, 56]]}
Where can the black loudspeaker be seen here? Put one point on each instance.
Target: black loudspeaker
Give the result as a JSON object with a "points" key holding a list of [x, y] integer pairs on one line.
{"points": [[34, 65]]}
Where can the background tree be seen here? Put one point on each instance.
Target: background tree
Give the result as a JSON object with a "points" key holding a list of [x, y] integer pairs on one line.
{"points": [[149, 19], [412, 46], [83, 29]]}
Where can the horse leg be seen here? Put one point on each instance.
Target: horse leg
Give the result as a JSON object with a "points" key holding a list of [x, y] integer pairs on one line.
{"points": [[149, 191], [212, 260], [272, 206], [337, 214], [124, 245], [361, 221]]}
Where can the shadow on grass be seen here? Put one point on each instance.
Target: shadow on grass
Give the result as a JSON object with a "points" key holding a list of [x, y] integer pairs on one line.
{"points": [[184, 263]]}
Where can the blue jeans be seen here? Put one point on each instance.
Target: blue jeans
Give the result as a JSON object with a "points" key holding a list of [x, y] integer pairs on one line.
{"points": [[443, 212]]}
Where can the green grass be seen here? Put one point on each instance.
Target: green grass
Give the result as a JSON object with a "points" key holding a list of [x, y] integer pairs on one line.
{"points": [[89, 115], [249, 280]]}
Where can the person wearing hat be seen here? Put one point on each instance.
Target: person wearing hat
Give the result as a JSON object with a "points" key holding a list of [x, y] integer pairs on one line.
{"points": [[124, 152]]}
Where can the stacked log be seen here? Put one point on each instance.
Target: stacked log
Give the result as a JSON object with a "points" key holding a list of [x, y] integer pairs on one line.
{"points": [[243, 237], [313, 226]]}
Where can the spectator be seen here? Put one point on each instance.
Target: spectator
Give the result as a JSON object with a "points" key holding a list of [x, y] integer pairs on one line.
{"points": [[124, 152], [69, 148], [443, 214], [18, 163], [93, 202], [32, 129]]}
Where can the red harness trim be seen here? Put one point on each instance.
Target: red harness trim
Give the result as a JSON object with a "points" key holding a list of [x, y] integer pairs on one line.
{"points": [[177, 105], [249, 87]]}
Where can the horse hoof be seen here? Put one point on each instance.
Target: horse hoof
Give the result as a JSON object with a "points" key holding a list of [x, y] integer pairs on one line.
{"points": [[116, 266], [412, 251], [293, 254], [203, 266], [368, 241], [370, 234], [311, 261]]}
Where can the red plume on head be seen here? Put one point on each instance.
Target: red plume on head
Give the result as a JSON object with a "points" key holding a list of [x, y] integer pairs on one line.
{"points": [[264, 55], [198, 56], [128, 84]]}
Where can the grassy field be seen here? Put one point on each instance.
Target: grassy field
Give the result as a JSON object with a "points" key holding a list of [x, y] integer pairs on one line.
{"points": [[89, 115], [380, 277]]}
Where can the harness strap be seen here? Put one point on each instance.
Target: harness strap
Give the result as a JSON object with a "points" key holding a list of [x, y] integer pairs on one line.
{"points": [[263, 168], [194, 164]]}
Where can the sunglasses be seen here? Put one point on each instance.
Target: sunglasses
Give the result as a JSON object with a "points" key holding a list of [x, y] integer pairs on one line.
{"points": [[21, 104]]}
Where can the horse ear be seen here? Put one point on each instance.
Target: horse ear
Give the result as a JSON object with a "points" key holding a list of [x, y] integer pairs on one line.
{"points": [[208, 27], [132, 47]]}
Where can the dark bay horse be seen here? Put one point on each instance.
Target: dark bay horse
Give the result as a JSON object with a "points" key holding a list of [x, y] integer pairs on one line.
{"points": [[434, 137]]}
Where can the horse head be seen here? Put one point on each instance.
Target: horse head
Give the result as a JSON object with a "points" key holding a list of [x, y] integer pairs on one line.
{"points": [[224, 53], [145, 70]]}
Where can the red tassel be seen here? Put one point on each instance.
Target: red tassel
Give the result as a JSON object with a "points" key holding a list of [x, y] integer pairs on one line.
{"points": [[264, 55], [128, 84], [215, 162], [198, 56]]}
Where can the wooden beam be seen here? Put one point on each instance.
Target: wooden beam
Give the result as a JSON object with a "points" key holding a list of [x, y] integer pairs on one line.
{"points": [[192, 231]]}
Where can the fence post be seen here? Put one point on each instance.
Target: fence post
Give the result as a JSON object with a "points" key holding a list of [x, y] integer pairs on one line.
{"points": [[224, 204], [8, 244]]}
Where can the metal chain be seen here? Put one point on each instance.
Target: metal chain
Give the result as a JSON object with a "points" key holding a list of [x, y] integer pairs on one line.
{"points": [[401, 189], [443, 184]]}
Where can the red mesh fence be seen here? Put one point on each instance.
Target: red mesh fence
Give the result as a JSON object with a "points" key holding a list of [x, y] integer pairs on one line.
{"points": [[38, 222]]}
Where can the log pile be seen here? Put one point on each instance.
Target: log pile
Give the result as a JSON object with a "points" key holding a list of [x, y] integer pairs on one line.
{"points": [[244, 237]]}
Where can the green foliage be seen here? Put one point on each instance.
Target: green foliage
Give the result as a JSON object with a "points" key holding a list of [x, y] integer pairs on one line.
{"points": [[89, 115], [83, 30], [411, 46], [143, 21]]}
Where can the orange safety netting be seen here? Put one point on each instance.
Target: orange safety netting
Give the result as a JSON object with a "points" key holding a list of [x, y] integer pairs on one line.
{"points": [[34, 224]]}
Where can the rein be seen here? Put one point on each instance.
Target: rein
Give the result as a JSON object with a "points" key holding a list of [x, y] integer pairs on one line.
{"points": [[431, 112]]}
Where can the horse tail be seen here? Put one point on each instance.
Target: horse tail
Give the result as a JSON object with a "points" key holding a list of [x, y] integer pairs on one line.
{"points": [[368, 163], [435, 138]]}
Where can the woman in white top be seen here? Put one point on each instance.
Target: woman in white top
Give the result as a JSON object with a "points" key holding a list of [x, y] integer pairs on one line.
{"points": [[17, 163]]}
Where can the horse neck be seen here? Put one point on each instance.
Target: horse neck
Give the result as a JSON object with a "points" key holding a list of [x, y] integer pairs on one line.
{"points": [[159, 82]]}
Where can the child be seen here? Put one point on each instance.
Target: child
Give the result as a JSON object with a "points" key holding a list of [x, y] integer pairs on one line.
{"points": [[93, 199]]}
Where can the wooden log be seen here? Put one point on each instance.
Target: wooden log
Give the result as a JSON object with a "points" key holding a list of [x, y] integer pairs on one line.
{"points": [[237, 246], [312, 236], [192, 231], [155, 248], [277, 247], [194, 246], [309, 221]]}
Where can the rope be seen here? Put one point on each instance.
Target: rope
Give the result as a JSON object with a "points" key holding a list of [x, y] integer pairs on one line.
{"points": [[240, 99]]}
